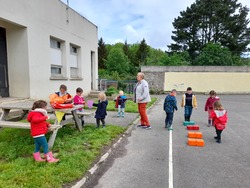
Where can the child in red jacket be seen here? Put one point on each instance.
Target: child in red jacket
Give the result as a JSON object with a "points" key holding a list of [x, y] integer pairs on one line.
{"points": [[39, 127], [219, 116], [209, 105]]}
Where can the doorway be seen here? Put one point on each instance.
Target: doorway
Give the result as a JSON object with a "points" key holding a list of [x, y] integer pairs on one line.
{"points": [[4, 86]]}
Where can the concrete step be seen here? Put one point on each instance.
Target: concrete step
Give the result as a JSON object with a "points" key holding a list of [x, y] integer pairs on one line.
{"points": [[93, 94]]}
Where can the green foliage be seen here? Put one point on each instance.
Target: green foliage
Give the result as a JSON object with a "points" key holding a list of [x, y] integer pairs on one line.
{"points": [[142, 52], [117, 61], [102, 54], [214, 54], [215, 21], [77, 152], [110, 91]]}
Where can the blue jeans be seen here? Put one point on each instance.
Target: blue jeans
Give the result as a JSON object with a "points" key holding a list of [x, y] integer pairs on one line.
{"points": [[41, 141], [188, 111], [169, 119]]}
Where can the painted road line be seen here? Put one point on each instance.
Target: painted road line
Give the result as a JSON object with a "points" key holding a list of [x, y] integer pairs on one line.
{"points": [[170, 164]]}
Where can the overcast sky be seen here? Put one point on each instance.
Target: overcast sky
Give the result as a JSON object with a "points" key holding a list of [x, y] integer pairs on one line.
{"points": [[133, 20]]}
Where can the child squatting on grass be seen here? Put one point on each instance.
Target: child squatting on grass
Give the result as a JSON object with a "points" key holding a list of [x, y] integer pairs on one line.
{"points": [[101, 110], [219, 116], [39, 127], [120, 103]]}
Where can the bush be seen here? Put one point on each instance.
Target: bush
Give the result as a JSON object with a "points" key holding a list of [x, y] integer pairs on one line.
{"points": [[110, 91]]}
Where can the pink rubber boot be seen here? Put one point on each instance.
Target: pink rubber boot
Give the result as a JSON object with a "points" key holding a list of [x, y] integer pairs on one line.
{"points": [[50, 158], [37, 157]]}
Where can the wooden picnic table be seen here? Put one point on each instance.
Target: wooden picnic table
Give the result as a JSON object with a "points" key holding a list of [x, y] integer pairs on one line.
{"points": [[26, 106]]}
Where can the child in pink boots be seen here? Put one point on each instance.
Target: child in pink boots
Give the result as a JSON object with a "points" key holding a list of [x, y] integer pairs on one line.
{"points": [[39, 127]]}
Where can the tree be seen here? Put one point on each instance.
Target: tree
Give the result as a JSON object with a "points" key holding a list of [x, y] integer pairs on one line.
{"points": [[102, 54], [214, 54], [221, 22], [117, 61], [142, 53]]}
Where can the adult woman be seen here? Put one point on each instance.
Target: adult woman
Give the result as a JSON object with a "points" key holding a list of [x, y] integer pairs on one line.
{"points": [[142, 97]]}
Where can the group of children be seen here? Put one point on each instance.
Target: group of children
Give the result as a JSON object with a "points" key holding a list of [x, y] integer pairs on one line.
{"points": [[38, 116], [217, 115]]}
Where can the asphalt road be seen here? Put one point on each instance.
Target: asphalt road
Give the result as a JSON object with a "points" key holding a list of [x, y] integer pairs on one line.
{"points": [[142, 159]]}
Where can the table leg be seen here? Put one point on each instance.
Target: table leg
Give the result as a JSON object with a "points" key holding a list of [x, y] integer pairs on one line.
{"points": [[52, 138], [25, 112], [77, 120], [4, 114]]}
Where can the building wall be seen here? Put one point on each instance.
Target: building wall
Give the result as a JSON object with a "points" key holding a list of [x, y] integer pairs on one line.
{"points": [[223, 79], [29, 26]]}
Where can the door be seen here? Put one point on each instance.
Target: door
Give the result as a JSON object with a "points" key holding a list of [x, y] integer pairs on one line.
{"points": [[4, 88], [92, 69]]}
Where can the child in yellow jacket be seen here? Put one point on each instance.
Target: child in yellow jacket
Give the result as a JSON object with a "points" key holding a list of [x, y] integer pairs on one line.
{"points": [[188, 102]]}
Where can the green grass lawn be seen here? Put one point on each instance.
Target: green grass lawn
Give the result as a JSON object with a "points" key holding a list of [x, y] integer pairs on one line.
{"points": [[77, 152], [130, 105]]}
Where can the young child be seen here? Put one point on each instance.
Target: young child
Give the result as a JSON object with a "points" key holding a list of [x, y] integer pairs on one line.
{"points": [[219, 116], [101, 112], [188, 102], [62, 97], [120, 103], [209, 105], [39, 127], [170, 104], [79, 100]]}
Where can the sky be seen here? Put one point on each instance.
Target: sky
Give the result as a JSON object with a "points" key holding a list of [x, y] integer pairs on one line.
{"points": [[133, 20]]}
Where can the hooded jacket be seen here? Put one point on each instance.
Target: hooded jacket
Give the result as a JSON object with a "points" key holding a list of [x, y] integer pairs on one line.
{"points": [[170, 104], [37, 119], [209, 103], [220, 118]]}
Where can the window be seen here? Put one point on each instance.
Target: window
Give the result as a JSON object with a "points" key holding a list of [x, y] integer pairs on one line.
{"points": [[74, 56], [56, 57]]}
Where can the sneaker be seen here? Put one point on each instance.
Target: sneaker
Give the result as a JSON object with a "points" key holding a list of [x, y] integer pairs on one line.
{"points": [[170, 128], [144, 126], [139, 125], [148, 127], [216, 137], [218, 141]]}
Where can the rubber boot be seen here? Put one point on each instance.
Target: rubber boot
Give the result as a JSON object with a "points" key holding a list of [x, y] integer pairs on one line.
{"points": [[50, 158], [37, 157], [118, 115], [123, 114], [186, 118], [209, 123], [82, 123]]}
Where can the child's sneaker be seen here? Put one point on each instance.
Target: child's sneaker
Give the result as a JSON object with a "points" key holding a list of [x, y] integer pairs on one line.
{"points": [[148, 127]]}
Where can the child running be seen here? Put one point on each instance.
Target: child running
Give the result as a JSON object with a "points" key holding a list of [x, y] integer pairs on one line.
{"points": [[39, 127], [120, 103], [101, 110], [170, 104], [209, 105], [219, 116]]}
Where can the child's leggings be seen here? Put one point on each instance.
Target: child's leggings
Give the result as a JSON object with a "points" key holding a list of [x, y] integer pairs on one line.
{"points": [[98, 122], [41, 142]]}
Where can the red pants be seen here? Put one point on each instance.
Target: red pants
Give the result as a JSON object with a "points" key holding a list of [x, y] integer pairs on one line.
{"points": [[143, 114]]}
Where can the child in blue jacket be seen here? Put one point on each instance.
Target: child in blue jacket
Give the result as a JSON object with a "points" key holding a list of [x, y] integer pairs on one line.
{"points": [[101, 110], [120, 103], [170, 104]]}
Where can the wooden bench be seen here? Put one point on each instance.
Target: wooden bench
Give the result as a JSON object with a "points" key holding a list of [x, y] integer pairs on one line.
{"points": [[23, 125]]}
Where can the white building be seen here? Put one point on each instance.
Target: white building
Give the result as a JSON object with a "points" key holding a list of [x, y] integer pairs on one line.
{"points": [[43, 44]]}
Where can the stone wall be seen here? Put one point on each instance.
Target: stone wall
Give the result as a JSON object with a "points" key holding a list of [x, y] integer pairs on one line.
{"points": [[223, 79]]}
